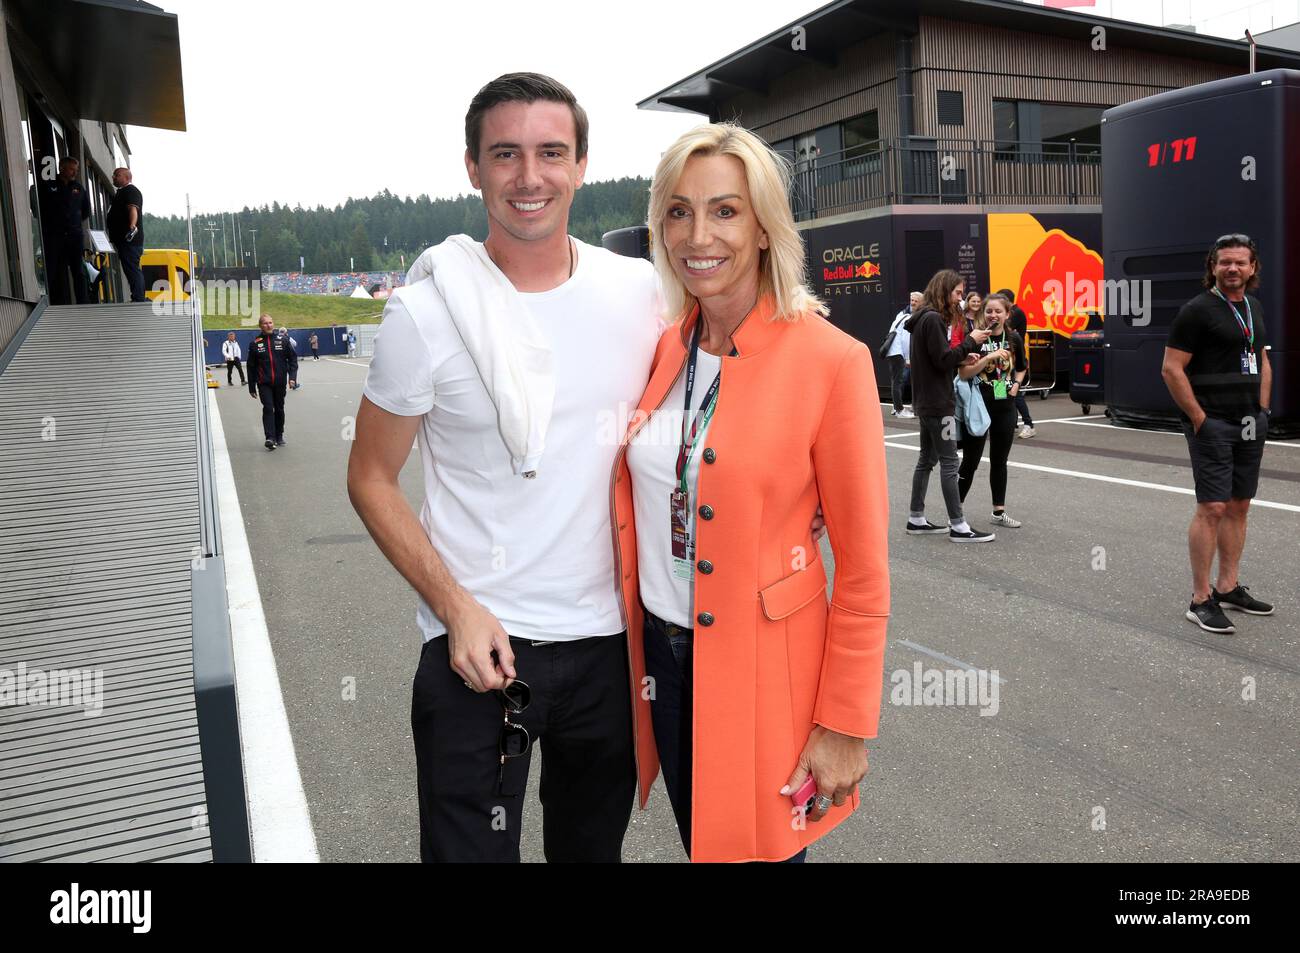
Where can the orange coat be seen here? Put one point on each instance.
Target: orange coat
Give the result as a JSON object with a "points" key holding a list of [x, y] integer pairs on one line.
{"points": [[797, 424]]}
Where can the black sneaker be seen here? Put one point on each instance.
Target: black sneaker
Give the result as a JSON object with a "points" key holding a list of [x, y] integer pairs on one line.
{"points": [[1241, 600], [925, 530], [270, 445], [279, 441], [1210, 617], [970, 536]]}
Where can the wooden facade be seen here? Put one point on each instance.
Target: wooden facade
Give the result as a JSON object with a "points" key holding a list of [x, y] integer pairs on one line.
{"points": [[982, 62]]}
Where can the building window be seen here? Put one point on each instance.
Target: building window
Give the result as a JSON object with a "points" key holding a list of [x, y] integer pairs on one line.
{"points": [[951, 109], [1006, 128], [1046, 132], [861, 135], [861, 145]]}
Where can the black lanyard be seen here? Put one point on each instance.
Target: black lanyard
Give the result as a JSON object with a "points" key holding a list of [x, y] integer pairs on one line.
{"points": [[687, 448]]}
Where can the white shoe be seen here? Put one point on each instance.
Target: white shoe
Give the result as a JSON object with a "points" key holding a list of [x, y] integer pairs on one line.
{"points": [[905, 414], [1026, 432], [1002, 519]]}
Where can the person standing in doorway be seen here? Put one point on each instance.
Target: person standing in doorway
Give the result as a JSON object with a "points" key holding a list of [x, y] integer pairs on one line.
{"points": [[1217, 370], [65, 208]]}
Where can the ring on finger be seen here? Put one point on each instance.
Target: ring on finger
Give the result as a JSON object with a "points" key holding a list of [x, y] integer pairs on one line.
{"points": [[824, 803]]}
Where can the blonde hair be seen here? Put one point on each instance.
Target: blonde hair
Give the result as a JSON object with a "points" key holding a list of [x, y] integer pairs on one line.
{"points": [[782, 264]]}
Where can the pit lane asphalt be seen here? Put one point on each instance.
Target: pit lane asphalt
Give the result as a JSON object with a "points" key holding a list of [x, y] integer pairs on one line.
{"points": [[1121, 731]]}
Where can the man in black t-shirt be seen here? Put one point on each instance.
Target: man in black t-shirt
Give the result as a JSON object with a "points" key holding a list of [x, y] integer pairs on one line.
{"points": [[126, 230], [1217, 370]]}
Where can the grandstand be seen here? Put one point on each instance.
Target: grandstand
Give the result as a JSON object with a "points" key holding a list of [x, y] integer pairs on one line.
{"points": [[343, 283]]}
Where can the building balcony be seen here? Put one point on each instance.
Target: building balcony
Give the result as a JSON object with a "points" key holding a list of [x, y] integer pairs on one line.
{"points": [[925, 171]]}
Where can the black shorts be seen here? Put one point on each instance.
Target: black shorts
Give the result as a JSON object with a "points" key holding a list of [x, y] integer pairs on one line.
{"points": [[1225, 465]]}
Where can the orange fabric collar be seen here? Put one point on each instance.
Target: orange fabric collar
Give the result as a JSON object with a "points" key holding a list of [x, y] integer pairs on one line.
{"points": [[756, 332]]}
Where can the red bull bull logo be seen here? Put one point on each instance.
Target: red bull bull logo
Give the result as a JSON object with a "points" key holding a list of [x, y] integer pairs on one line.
{"points": [[842, 274], [1057, 279], [1054, 285]]}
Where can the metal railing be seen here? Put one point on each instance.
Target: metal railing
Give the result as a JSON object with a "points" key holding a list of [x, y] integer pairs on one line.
{"points": [[209, 522], [946, 171], [216, 703]]}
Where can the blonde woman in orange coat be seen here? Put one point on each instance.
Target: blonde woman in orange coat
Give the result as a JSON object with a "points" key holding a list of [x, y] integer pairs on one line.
{"points": [[746, 681]]}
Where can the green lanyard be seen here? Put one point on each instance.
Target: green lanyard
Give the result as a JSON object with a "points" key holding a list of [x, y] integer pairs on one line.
{"points": [[1247, 326]]}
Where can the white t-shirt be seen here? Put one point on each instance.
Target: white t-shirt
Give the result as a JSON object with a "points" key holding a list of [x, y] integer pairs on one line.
{"points": [[652, 459], [536, 553]]}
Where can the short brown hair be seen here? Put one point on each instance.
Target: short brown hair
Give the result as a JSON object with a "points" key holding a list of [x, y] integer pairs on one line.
{"points": [[522, 88]]}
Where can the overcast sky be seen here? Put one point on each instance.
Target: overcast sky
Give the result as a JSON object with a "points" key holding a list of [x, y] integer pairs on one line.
{"points": [[313, 103]]}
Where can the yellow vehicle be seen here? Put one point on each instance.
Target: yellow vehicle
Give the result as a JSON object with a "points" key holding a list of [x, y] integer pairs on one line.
{"points": [[166, 274]]}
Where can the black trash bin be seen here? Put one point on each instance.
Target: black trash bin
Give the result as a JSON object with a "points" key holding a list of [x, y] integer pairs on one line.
{"points": [[633, 242], [1087, 368]]}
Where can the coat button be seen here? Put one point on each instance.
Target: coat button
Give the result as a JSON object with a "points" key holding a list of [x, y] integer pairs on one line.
{"points": [[706, 512], [706, 567], [709, 455], [705, 618]]}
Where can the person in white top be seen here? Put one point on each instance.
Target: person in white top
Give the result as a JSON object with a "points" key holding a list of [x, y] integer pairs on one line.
{"points": [[519, 606], [899, 355], [233, 355]]}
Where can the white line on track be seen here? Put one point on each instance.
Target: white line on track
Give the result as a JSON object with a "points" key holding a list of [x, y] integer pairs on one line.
{"points": [[279, 820], [344, 360], [945, 658], [1083, 422], [1141, 484]]}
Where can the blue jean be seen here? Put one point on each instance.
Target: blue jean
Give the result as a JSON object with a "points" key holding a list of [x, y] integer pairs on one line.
{"points": [[669, 660]]}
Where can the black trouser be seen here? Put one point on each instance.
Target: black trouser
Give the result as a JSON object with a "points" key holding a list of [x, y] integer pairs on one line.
{"points": [[315, 354], [897, 377], [1000, 435], [272, 409], [471, 808], [1023, 408], [129, 256], [231, 366], [669, 660], [63, 254]]}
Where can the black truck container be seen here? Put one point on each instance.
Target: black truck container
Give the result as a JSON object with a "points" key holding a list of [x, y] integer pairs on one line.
{"points": [[1181, 169]]}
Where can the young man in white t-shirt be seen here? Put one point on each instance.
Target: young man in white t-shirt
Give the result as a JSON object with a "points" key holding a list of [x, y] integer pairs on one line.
{"points": [[516, 576]]}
